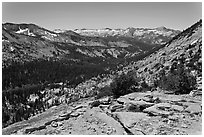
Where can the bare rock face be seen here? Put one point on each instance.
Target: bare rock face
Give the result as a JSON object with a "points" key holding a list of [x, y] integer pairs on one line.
{"points": [[129, 119], [110, 122], [177, 114], [154, 110], [163, 109], [177, 108]]}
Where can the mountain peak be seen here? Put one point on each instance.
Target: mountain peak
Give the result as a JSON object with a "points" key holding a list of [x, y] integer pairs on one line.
{"points": [[161, 28]]}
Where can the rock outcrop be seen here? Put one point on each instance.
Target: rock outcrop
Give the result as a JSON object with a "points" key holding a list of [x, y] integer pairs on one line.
{"points": [[176, 115]]}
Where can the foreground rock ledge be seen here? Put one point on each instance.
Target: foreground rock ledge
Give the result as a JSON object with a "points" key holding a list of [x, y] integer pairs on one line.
{"points": [[155, 114]]}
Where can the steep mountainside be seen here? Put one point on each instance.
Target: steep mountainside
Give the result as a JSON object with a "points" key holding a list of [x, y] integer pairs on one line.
{"points": [[151, 36], [184, 50]]}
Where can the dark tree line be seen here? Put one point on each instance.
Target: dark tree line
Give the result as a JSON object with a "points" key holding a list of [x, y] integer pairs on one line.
{"points": [[43, 71]]}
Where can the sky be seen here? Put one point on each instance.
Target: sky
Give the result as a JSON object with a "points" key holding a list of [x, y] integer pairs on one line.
{"points": [[70, 16]]}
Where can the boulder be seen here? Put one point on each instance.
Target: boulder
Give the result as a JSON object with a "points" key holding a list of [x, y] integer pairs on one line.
{"points": [[122, 100], [194, 109], [163, 106], [177, 108], [161, 109], [142, 104], [171, 98], [74, 114], [130, 119], [65, 113], [137, 106]]}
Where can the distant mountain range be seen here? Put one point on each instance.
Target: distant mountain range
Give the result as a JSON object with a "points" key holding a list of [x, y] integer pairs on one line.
{"points": [[146, 35], [29, 41]]}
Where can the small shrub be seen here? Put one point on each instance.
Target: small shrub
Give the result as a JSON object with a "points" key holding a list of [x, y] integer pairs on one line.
{"points": [[169, 82], [178, 80], [95, 103], [124, 84], [103, 92]]}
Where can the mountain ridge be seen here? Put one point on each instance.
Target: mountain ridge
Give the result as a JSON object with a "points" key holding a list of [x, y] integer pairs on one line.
{"points": [[31, 34], [137, 33]]}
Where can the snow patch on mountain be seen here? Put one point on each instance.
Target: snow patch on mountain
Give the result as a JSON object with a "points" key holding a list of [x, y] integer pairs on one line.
{"points": [[59, 31], [51, 34], [139, 33], [122, 32], [25, 31]]}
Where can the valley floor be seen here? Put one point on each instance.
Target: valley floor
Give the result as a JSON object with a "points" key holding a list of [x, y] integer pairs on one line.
{"points": [[149, 113]]}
